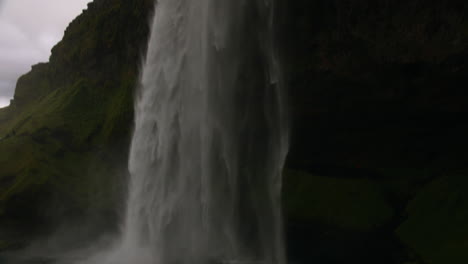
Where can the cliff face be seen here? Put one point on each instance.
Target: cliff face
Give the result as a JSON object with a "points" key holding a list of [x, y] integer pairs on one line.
{"points": [[64, 139], [378, 155]]}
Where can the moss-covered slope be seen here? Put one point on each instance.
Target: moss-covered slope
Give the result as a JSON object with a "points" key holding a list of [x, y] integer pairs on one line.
{"points": [[64, 139], [437, 222]]}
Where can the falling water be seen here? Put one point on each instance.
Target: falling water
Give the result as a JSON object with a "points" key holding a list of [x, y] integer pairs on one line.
{"points": [[210, 138]]}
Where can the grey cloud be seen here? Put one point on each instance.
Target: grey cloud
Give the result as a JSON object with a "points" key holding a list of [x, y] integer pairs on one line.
{"points": [[4, 101], [28, 30]]}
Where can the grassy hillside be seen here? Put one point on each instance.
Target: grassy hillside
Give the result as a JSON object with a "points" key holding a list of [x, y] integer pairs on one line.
{"points": [[64, 139]]}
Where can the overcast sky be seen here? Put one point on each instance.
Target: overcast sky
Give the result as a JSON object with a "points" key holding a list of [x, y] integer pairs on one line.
{"points": [[28, 31]]}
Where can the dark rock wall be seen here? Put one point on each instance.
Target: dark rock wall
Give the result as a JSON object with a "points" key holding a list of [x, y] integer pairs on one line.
{"points": [[388, 67], [377, 90]]}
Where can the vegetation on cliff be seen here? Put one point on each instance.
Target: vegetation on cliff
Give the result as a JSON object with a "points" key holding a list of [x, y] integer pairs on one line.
{"points": [[64, 138]]}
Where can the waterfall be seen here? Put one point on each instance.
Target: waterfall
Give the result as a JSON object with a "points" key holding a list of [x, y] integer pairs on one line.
{"points": [[210, 138]]}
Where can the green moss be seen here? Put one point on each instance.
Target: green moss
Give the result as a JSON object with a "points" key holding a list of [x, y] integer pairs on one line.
{"points": [[437, 224], [9, 245], [401, 184], [64, 140], [355, 204]]}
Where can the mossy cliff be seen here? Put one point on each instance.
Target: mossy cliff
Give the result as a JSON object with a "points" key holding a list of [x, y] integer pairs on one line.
{"points": [[64, 139], [378, 162]]}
